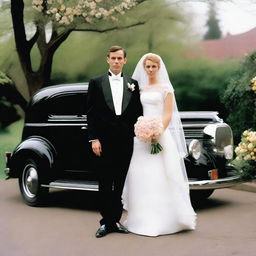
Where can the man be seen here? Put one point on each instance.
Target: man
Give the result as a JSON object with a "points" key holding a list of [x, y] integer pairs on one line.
{"points": [[113, 108]]}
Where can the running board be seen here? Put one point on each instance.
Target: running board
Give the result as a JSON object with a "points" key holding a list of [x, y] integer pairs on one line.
{"points": [[74, 185], [193, 185]]}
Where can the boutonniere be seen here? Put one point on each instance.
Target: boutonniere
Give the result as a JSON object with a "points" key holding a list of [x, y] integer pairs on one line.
{"points": [[131, 87]]}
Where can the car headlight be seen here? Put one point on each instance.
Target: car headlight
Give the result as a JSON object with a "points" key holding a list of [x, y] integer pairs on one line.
{"points": [[222, 139], [228, 152], [194, 149]]}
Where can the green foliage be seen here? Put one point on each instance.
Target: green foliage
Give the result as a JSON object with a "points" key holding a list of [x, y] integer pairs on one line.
{"points": [[84, 54], [4, 79], [9, 139], [199, 84], [240, 99], [246, 169], [8, 55]]}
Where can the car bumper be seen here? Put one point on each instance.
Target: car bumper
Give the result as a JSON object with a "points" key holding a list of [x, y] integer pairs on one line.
{"points": [[215, 184]]}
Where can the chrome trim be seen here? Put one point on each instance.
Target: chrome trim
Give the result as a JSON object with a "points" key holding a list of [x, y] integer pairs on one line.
{"points": [[207, 112], [215, 184], [73, 185], [195, 125], [194, 133], [195, 149], [30, 181], [56, 124], [193, 185]]}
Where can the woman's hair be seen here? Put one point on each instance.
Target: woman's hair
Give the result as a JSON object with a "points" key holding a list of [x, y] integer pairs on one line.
{"points": [[116, 48], [152, 58]]}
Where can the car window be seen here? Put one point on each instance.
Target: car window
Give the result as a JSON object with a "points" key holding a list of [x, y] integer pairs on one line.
{"points": [[68, 104]]}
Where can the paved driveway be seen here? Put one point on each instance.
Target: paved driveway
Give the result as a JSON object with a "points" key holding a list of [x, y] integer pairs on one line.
{"points": [[226, 226]]}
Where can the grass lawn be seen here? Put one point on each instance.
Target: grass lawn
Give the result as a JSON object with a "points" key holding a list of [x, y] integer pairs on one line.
{"points": [[9, 139]]}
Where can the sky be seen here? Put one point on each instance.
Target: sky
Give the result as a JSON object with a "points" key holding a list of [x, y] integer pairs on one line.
{"points": [[235, 16]]}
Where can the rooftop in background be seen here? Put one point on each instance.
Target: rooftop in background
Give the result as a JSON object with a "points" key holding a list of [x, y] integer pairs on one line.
{"points": [[231, 46]]}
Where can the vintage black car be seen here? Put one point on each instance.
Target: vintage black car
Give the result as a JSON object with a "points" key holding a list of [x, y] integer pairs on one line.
{"points": [[55, 153]]}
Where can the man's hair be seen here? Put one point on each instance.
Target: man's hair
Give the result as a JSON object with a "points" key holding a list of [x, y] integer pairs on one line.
{"points": [[116, 48]]}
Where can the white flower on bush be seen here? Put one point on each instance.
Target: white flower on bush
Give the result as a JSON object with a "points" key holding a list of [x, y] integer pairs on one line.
{"points": [[57, 16], [246, 149]]}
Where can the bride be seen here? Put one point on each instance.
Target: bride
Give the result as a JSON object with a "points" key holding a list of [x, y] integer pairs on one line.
{"points": [[156, 191]]}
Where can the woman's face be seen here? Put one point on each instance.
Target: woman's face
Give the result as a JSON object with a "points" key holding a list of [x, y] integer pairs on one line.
{"points": [[151, 68]]}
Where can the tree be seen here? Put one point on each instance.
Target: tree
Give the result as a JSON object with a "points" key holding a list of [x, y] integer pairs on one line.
{"points": [[55, 20], [59, 18], [212, 23]]}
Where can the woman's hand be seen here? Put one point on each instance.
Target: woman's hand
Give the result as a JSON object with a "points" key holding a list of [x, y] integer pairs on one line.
{"points": [[155, 138]]}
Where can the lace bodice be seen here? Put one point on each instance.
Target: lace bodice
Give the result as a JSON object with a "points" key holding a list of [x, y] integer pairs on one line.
{"points": [[152, 99]]}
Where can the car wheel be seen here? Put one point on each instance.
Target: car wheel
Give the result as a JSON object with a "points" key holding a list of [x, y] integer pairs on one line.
{"points": [[30, 183], [200, 195]]}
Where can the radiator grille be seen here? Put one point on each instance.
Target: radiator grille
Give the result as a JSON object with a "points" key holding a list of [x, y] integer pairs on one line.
{"points": [[194, 133]]}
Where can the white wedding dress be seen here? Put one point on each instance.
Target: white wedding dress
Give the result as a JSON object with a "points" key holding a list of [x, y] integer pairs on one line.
{"points": [[156, 195]]}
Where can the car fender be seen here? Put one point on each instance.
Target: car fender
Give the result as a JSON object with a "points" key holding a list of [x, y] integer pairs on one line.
{"points": [[34, 146]]}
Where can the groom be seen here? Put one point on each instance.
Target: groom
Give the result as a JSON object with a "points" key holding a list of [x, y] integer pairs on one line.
{"points": [[113, 105]]}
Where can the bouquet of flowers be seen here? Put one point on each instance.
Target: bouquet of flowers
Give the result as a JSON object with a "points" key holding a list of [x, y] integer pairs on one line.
{"points": [[149, 129], [245, 162]]}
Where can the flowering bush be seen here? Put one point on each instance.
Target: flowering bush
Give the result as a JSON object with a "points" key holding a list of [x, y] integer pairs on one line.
{"points": [[245, 162], [64, 12], [149, 129]]}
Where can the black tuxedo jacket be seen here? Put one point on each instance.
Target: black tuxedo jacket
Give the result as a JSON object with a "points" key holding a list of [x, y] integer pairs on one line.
{"points": [[103, 123]]}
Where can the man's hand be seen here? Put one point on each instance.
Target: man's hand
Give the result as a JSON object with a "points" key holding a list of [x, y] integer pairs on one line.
{"points": [[96, 147]]}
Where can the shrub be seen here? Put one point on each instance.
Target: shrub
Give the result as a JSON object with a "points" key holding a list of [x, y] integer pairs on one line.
{"points": [[8, 113], [240, 97], [199, 84]]}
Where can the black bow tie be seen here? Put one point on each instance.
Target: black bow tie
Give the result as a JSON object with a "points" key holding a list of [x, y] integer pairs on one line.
{"points": [[110, 74]]}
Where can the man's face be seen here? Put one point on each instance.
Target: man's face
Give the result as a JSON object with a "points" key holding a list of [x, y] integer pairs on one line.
{"points": [[116, 60]]}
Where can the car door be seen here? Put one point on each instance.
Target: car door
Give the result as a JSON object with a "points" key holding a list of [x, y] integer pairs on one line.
{"points": [[69, 131]]}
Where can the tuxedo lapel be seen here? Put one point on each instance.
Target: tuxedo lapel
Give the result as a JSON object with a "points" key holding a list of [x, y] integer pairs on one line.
{"points": [[107, 92], [126, 94]]}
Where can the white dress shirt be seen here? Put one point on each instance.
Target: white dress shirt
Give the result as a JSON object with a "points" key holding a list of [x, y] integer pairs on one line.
{"points": [[116, 85]]}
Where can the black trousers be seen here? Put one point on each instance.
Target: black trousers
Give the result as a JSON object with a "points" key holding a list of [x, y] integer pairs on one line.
{"points": [[114, 163]]}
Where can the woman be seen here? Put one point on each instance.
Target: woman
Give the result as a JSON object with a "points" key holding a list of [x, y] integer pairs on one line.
{"points": [[156, 192]]}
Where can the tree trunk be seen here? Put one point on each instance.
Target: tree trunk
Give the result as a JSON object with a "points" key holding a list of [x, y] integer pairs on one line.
{"points": [[23, 46], [40, 78]]}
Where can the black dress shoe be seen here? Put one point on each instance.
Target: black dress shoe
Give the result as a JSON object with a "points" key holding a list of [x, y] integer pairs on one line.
{"points": [[103, 231], [121, 229]]}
